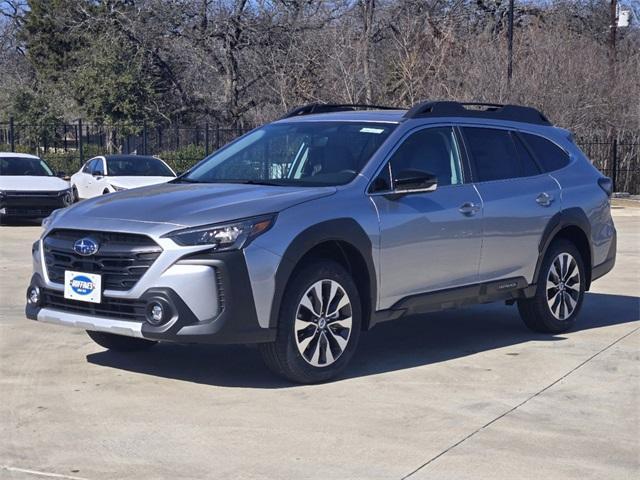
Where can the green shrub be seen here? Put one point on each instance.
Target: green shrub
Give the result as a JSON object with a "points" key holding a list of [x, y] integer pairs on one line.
{"points": [[183, 158]]}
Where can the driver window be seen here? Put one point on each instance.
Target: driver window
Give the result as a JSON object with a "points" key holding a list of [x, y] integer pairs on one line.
{"points": [[432, 150], [98, 167], [88, 166]]}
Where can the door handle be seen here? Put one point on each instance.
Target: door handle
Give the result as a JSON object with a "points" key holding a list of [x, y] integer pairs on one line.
{"points": [[469, 209], [544, 199]]}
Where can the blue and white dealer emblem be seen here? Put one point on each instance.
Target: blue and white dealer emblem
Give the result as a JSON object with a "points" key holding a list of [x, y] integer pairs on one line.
{"points": [[86, 246], [83, 286]]}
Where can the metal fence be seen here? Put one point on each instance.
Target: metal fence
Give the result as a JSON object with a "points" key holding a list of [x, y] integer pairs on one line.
{"points": [[618, 158], [67, 146]]}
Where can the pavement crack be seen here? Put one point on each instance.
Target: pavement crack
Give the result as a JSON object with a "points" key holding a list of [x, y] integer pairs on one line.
{"points": [[40, 473], [504, 414]]}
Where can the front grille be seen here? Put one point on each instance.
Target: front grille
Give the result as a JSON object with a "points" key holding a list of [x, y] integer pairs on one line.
{"points": [[34, 199], [32, 193], [122, 258], [124, 309], [29, 212]]}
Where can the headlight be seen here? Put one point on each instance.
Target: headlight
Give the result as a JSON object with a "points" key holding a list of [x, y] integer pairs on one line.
{"points": [[228, 236], [117, 188]]}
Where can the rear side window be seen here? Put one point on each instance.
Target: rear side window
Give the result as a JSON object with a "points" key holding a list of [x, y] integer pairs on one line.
{"points": [[549, 155], [529, 166], [493, 153]]}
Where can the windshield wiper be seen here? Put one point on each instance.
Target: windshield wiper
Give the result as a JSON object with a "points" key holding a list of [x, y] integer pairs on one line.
{"points": [[257, 182]]}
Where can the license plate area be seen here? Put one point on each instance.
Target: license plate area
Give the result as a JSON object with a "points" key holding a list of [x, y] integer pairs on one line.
{"points": [[86, 287]]}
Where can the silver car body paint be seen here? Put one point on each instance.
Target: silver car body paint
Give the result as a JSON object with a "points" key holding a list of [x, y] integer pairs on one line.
{"points": [[420, 243]]}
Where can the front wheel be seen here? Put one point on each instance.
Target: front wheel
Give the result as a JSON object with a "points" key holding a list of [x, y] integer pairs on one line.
{"points": [[559, 293], [319, 324], [120, 343]]}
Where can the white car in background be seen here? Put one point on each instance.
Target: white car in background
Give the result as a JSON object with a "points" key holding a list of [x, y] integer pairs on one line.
{"points": [[110, 173], [29, 189]]}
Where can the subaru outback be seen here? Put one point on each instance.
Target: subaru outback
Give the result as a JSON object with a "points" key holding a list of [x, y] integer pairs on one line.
{"points": [[307, 231]]}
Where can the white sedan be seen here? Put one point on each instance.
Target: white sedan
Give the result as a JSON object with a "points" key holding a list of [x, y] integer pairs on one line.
{"points": [[110, 173]]}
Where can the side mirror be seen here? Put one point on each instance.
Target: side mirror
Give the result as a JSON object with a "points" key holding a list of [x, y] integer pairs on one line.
{"points": [[413, 181], [96, 174]]}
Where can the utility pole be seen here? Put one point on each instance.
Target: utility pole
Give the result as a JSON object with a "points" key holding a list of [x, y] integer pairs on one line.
{"points": [[613, 30], [510, 48]]}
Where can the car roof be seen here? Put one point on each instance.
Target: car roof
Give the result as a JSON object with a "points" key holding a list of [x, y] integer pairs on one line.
{"points": [[380, 116], [17, 155], [426, 111], [129, 157]]}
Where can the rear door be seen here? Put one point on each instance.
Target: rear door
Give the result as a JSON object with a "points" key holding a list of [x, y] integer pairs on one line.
{"points": [[518, 202]]}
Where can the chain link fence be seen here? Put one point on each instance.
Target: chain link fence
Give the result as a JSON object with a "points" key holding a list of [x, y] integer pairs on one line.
{"points": [[67, 146]]}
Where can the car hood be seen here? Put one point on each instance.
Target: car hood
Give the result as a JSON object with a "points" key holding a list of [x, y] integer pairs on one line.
{"points": [[32, 183], [135, 182], [185, 205]]}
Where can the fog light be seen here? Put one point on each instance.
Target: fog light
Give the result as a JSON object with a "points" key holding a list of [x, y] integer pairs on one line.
{"points": [[33, 295], [155, 313]]}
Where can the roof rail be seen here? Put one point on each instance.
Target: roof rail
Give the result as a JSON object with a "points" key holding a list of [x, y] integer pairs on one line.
{"points": [[514, 113], [333, 107]]}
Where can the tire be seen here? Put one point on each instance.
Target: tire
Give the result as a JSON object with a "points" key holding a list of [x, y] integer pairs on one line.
{"points": [[120, 343], [312, 346], [74, 192], [558, 298]]}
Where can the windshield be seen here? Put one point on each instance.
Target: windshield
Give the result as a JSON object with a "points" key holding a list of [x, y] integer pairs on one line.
{"points": [[301, 154], [137, 167], [34, 167]]}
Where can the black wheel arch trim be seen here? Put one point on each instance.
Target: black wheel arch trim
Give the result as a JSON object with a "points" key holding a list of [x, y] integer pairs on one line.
{"points": [[571, 217], [344, 230]]}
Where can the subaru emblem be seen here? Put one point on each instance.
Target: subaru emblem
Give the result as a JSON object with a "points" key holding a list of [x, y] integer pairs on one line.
{"points": [[86, 246]]}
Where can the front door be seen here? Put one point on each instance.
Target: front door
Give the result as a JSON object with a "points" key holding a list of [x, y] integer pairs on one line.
{"points": [[429, 240], [85, 179], [97, 183]]}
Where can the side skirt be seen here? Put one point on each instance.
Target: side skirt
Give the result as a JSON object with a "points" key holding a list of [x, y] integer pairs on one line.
{"points": [[509, 289]]}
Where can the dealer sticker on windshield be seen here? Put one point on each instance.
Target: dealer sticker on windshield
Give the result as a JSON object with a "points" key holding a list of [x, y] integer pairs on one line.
{"points": [[82, 286]]}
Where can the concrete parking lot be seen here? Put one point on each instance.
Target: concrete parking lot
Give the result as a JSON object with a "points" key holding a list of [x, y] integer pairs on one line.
{"points": [[456, 395]]}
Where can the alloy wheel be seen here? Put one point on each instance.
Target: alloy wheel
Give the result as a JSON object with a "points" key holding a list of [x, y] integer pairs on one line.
{"points": [[323, 323], [563, 286]]}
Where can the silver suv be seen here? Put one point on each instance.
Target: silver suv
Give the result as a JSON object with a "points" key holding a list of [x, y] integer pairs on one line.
{"points": [[306, 231]]}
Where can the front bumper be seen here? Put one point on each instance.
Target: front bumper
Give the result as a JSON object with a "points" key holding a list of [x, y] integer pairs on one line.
{"points": [[219, 281]]}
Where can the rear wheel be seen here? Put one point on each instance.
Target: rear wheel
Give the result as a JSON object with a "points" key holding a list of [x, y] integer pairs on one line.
{"points": [[120, 343], [559, 292], [319, 324]]}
